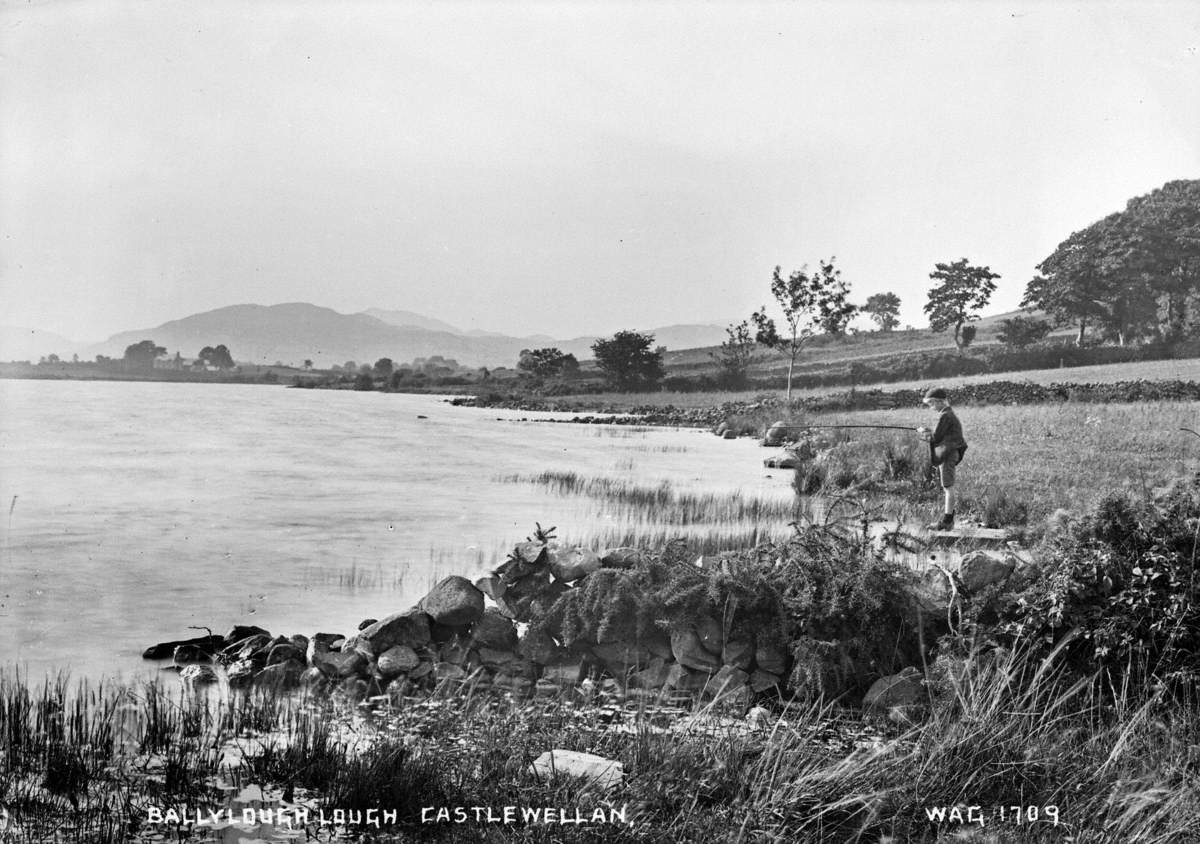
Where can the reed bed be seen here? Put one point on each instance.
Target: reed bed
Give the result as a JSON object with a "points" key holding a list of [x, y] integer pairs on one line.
{"points": [[662, 503]]}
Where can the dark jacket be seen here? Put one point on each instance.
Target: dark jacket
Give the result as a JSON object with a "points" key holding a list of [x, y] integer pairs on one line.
{"points": [[947, 439]]}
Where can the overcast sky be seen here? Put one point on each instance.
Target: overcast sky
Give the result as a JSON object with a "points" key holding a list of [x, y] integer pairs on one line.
{"points": [[566, 168]]}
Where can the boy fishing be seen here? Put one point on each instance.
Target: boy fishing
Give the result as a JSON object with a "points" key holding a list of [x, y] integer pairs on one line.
{"points": [[946, 449]]}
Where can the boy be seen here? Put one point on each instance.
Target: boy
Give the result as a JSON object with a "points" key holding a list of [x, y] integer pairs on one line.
{"points": [[946, 449]]}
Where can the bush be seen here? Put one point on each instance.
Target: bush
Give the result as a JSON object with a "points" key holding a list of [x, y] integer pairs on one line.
{"points": [[1120, 589]]}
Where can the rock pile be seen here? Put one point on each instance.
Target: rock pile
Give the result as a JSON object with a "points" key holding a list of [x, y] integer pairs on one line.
{"points": [[478, 635]]}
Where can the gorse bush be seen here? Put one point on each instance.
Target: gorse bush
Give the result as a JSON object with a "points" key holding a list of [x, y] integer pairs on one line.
{"points": [[1122, 587]]}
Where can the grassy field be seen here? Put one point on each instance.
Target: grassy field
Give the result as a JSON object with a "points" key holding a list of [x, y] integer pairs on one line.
{"points": [[1184, 370], [1051, 456]]}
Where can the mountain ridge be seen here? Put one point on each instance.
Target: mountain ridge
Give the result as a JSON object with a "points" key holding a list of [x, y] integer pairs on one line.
{"points": [[293, 332]]}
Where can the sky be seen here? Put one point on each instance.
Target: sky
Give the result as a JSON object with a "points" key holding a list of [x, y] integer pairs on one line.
{"points": [[564, 168]]}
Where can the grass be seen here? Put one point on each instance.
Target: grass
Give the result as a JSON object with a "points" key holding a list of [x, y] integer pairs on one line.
{"points": [[1064, 455], [1103, 373], [1001, 733]]}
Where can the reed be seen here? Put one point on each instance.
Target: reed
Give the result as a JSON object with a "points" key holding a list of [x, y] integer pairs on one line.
{"points": [[1010, 731]]}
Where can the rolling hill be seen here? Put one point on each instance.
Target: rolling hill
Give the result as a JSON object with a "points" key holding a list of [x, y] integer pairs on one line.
{"points": [[295, 332]]}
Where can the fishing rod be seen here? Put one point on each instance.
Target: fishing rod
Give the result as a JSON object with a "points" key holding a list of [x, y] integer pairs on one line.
{"points": [[884, 427]]}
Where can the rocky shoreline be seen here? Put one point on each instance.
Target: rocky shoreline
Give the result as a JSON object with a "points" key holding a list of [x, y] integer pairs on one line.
{"points": [[512, 632]]}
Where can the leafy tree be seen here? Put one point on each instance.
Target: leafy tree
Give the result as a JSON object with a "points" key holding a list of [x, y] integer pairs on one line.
{"points": [[218, 357], [141, 355], [308, 364], [1019, 332], [1133, 273], [798, 298], [628, 362], [961, 290], [884, 309], [364, 381], [546, 363], [832, 293], [736, 355], [384, 368], [350, 366]]}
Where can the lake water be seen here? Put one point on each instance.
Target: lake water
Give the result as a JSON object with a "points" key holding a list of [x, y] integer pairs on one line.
{"points": [[132, 511]]}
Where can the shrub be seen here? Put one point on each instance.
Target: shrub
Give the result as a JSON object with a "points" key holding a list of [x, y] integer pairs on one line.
{"points": [[1120, 588]]}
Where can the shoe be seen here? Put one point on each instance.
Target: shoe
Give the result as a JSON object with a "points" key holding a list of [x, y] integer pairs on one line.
{"points": [[946, 523]]}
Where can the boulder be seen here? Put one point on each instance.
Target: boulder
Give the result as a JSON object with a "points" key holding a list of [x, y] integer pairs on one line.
{"points": [[448, 671], [654, 675], [981, 569], [286, 652], [539, 647], [620, 558], [244, 631], [761, 680], [776, 435], [493, 587], [280, 675], [240, 673], [253, 647], [323, 643], [340, 663], [190, 654], [711, 633], [410, 628], [685, 679], [772, 658], [593, 770], [495, 658], [198, 675], [688, 650], [569, 564], [529, 552], [366, 622], [738, 652], [729, 435], [165, 650], [657, 643], [494, 630], [454, 602], [422, 669], [563, 673], [396, 660], [454, 652], [934, 591], [621, 654], [726, 682], [904, 689]]}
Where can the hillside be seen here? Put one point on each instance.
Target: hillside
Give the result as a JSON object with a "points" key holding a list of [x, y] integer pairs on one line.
{"points": [[867, 346], [295, 332]]}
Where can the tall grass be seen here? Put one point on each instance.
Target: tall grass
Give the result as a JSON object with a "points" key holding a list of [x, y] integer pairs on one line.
{"points": [[662, 503], [998, 733]]}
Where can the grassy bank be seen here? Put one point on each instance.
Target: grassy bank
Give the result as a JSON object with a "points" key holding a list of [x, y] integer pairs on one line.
{"points": [[82, 764]]}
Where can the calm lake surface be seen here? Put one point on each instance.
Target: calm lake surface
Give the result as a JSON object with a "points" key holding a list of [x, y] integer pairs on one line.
{"points": [[132, 511]]}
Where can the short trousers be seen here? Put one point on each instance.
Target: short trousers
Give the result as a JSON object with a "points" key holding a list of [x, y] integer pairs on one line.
{"points": [[946, 472]]}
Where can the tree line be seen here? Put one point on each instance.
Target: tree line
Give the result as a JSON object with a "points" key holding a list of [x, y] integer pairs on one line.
{"points": [[1134, 275]]}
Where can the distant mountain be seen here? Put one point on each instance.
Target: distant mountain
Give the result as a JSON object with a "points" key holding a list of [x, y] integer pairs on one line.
{"points": [[295, 332], [17, 343], [410, 319]]}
